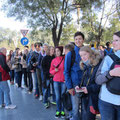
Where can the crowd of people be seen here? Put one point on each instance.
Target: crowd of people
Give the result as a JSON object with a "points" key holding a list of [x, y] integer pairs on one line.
{"points": [[84, 71]]}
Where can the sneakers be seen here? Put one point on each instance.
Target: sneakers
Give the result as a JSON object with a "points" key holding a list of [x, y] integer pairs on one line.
{"points": [[36, 96], [29, 92], [12, 82], [3, 105], [57, 115], [41, 98], [10, 107], [54, 103], [62, 114], [16, 84], [47, 105]]}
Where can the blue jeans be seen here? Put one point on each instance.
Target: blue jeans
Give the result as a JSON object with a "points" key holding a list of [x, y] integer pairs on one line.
{"points": [[19, 78], [109, 111], [46, 91], [4, 92], [85, 110], [53, 91], [59, 88], [35, 79], [75, 107], [12, 75], [30, 85]]}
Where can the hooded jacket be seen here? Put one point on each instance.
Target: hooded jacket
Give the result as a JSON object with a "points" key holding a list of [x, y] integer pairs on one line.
{"points": [[89, 73]]}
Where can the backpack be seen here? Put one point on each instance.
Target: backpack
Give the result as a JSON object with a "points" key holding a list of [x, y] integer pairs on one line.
{"points": [[66, 99], [108, 52], [113, 85]]}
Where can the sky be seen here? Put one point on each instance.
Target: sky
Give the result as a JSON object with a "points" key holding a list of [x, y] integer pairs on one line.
{"points": [[10, 23]]}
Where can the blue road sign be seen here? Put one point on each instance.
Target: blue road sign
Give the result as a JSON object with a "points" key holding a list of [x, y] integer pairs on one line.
{"points": [[24, 41]]}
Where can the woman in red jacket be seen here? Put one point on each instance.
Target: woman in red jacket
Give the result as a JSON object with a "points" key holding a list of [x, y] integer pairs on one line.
{"points": [[57, 69]]}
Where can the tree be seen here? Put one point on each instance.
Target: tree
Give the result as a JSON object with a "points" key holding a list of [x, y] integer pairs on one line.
{"points": [[41, 14], [68, 33], [94, 19], [41, 36], [114, 27], [118, 7], [9, 38]]}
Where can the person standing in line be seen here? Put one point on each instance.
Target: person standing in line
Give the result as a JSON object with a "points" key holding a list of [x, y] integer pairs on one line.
{"points": [[57, 69], [30, 81], [9, 57], [4, 76], [89, 90], [34, 63], [108, 50], [46, 62], [109, 103], [73, 73], [24, 67], [40, 70]]}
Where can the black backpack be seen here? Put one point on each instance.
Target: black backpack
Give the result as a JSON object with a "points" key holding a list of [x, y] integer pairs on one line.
{"points": [[113, 85], [66, 99]]}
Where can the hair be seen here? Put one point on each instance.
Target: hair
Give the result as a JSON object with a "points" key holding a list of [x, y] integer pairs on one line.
{"points": [[52, 47], [117, 33], [37, 44], [69, 46], [26, 46], [61, 49], [92, 45], [79, 34], [3, 50], [48, 51], [94, 56], [107, 44], [45, 44], [73, 43], [17, 48]]}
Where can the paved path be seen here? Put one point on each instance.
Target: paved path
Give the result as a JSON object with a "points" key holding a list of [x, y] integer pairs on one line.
{"points": [[28, 108]]}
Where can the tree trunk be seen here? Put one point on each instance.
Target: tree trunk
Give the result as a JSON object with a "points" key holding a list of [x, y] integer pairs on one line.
{"points": [[54, 36]]}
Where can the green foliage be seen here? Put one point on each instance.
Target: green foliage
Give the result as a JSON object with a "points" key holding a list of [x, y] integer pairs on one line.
{"points": [[114, 27], [68, 33], [41, 36], [41, 14]]}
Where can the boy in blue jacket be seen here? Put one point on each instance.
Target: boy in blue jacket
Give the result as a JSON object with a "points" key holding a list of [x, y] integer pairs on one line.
{"points": [[73, 73]]}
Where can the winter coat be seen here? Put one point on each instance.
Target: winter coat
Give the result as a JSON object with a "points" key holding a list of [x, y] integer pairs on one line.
{"points": [[46, 62], [58, 76], [89, 73]]}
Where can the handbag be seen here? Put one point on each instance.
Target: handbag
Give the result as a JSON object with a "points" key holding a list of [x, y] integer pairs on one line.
{"points": [[66, 99]]}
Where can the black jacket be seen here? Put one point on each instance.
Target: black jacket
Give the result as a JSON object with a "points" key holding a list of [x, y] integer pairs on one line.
{"points": [[46, 62]]}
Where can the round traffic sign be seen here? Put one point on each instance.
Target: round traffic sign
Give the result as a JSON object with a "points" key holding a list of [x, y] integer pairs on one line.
{"points": [[24, 41]]}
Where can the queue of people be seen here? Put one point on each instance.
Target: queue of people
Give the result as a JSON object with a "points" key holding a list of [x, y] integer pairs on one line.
{"points": [[51, 71]]}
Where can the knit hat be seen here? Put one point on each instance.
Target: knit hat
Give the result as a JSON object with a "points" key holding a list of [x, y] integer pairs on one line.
{"points": [[60, 48]]}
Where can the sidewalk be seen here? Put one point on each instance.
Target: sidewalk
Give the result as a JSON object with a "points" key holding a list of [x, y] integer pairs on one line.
{"points": [[28, 108]]}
